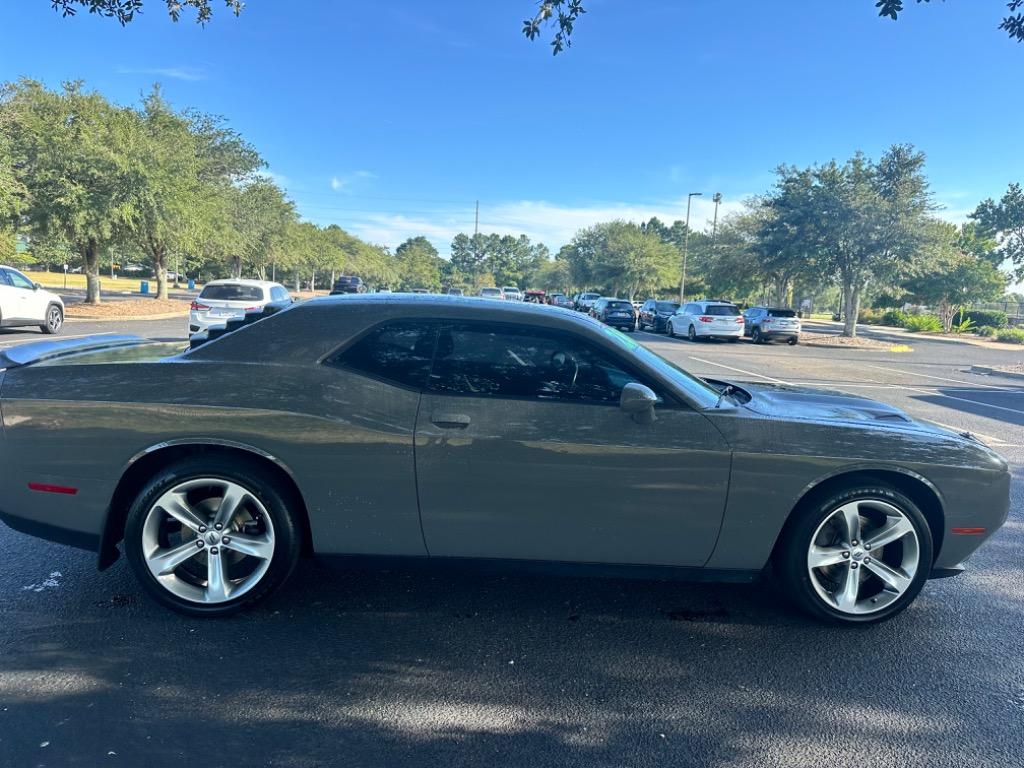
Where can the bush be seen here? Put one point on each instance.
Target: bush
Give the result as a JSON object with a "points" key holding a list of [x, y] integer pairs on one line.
{"points": [[1010, 335], [985, 330], [994, 318], [923, 324], [870, 317], [895, 317]]}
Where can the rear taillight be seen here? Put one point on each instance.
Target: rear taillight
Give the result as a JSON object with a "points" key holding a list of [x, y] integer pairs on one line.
{"points": [[739, 320], [252, 309], [199, 307], [706, 319]]}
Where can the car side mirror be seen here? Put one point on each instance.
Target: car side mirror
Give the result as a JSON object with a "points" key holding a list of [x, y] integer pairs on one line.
{"points": [[638, 401], [36, 286]]}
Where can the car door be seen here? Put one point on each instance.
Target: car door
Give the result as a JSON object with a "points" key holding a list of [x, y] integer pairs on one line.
{"points": [[25, 304], [522, 452]]}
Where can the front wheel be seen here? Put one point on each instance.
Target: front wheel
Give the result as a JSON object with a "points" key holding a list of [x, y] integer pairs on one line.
{"points": [[209, 536], [858, 556], [54, 320], [794, 341], [671, 330], [691, 334], [756, 336]]}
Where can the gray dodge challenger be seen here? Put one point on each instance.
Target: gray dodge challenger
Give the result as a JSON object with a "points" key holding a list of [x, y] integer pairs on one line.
{"points": [[386, 428]]}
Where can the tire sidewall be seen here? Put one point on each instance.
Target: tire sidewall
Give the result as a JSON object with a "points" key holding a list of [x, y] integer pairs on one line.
{"points": [[245, 473], [791, 556]]}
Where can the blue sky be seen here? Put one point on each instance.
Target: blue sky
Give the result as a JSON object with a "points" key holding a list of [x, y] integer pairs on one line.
{"points": [[391, 119]]}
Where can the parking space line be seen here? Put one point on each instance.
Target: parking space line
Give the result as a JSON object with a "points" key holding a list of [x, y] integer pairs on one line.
{"points": [[976, 433], [738, 370], [937, 378]]}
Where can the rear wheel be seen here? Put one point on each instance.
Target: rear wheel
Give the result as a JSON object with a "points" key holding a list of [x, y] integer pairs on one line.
{"points": [[209, 536], [756, 336], [794, 341], [857, 557], [54, 320], [691, 333]]}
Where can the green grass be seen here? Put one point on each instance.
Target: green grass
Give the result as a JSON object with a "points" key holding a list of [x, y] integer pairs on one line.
{"points": [[55, 281]]}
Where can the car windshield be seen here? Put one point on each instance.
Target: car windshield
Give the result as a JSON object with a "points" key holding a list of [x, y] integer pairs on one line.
{"points": [[720, 310], [589, 296], [699, 390], [666, 306], [490, 292], [232, 292]]}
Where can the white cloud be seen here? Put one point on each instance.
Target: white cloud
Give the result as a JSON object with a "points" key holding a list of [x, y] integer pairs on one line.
{"points": [[277, 178], [338, 183], [189, 74], [550, 223]]}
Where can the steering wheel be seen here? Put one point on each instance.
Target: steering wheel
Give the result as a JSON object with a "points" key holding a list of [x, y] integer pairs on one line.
{"points": [[563, 363]]}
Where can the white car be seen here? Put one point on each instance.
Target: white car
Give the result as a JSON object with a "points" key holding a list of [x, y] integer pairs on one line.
{"points": [[23, 302], [223, 300], [512, 293], [707, 320], [491, 293]]}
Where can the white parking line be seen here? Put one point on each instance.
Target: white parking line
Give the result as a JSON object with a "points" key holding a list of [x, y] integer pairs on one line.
{"points": [[738, 370], [937, 378]]}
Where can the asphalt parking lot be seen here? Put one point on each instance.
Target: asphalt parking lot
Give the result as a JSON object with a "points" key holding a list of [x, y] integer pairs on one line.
{"points": [[393, 668]]}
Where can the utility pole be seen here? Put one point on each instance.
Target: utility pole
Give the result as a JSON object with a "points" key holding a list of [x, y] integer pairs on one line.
{"points": [[717, 199], [686, 246]]}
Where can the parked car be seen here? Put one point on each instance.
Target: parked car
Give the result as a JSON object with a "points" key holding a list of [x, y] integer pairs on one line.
{"points": [[655, 314], [707, 320], [536, 297], [512, 293], [491, 293], [455, 292], [560, 300], [614, 312], [380, 426], [223, 300], [24, 302], [585, 301], [348, 284], [762, 324]]}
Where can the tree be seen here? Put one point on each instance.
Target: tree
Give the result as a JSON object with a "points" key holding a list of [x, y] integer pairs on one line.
{"points": [[1004, 221], [620, 257], [418, 265], [124, 10], [960, 272], [562, 15], [71, 148], [261, 217]]}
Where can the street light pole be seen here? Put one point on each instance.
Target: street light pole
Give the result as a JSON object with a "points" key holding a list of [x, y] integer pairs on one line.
{"points": [[686, 246], [717, 199]]}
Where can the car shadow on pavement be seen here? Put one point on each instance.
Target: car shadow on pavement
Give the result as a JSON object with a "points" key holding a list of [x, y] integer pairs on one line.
{"points": [[1007, 408], [363, 668]]}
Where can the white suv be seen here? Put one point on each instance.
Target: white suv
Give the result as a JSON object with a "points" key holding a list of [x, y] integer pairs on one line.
{"points": [[23, 302], [223, 300], [512, 293], [707, 320]]}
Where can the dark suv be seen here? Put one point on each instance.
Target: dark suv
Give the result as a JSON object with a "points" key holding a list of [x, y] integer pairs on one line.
{"points": [[655, 314], [348, 284], [615, 312]]}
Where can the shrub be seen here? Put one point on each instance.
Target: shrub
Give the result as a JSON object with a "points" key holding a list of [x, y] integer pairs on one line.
{"points": [[963, 326], [870, 317], [994, 318], [896, 317], [985, 330], [923, 324], [1010, 335]]}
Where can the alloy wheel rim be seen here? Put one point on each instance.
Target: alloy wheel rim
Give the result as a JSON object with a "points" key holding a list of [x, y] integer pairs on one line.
{"points": [[54, 319], [208, 540], [863, 557]]}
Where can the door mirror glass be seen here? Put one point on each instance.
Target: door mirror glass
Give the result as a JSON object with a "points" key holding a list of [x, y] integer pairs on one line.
{"points": [[638, 401]]}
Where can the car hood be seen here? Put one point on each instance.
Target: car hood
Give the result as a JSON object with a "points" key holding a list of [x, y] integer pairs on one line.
{"points": [[809, 404]]}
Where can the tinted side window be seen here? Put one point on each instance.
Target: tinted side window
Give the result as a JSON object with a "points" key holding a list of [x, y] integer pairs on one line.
{"points": [[18, 280], [399, 352], [277, 293], [487, 361]]}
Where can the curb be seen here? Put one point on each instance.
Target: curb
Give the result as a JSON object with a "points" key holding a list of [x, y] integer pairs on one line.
{"points": [[987, 371], [127, 318]]}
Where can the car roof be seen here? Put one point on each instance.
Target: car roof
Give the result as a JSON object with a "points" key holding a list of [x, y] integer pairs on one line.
{"points": [[242, 281]]}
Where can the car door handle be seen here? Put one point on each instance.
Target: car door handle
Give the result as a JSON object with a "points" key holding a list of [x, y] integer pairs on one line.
{"points": [[450, 420]]}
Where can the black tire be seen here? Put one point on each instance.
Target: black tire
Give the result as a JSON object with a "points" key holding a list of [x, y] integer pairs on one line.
{"points": [[670, 330], [790, 557], [794, 341], [287, 537], [54, 320], [691, 334]]}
